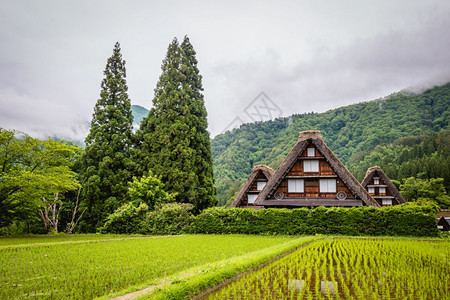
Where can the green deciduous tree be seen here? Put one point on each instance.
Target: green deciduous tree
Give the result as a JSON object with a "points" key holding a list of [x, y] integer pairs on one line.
{"points": [[149, 190], [433, 190], [173, 140], [106, 163], [31, 171]]}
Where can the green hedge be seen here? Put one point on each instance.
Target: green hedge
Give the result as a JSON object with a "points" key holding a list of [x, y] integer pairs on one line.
{"points": [[168, 219], [401, 220]]}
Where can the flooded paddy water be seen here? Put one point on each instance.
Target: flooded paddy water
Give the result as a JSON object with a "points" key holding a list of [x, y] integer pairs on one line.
{"points": [[350, 269]]}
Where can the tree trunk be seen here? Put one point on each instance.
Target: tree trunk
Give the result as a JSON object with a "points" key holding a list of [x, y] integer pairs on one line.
{"points": [[44, 215], [71, 226], [55, 208]]}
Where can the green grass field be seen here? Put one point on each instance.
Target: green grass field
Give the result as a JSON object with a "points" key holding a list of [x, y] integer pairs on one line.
{"points": [[37, 240], [84, 267], [180, 267], [351, 269]]}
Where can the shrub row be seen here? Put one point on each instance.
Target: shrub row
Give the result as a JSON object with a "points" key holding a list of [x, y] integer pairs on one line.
{"points": [[402, 220], [409, 219]]}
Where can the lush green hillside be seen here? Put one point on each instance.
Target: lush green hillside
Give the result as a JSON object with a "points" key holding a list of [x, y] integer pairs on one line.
{"points": [[425, 156], [361, 135]]}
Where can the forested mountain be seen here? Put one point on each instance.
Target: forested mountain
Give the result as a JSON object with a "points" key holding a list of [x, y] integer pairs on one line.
{"points": [[139, 112], [407, 134]]}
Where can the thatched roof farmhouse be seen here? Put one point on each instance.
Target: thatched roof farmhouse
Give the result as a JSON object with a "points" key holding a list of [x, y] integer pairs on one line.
{"points": [[311, 175]]}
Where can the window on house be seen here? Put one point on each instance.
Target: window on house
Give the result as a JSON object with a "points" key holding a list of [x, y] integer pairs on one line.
{"points": [[260, 185], [311, 166], [386, 201], [328, 185], [376, 181], [382, 190], [251, 198], [296, 186], [311, 152], [371, 190]]}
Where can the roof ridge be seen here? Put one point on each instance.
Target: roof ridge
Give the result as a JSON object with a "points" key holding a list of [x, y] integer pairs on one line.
{"points": [[309, 134]]}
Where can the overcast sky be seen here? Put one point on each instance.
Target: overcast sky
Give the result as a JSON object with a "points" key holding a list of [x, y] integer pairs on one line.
{"points": [[303, 55]]}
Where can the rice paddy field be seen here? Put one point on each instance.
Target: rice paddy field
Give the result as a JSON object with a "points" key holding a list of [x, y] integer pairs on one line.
{"points": [[180, 267], [86, 267], [350, 268]]}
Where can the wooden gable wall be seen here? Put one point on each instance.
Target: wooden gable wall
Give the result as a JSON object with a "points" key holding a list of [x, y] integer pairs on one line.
{"points": [[312, 179], [379, 195], [253, 188], [259, 177]]}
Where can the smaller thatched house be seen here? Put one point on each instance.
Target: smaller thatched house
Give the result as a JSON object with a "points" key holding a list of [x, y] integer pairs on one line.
{"points": [[381, 188], [252, 187]]}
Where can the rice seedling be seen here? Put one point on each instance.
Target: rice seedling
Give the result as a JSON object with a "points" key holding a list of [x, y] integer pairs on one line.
{"points": [[351, 269]]}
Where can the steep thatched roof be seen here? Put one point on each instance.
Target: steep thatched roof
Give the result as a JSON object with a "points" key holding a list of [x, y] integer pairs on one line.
{"points": [[393, 189], [315, 138], [267, 171]]}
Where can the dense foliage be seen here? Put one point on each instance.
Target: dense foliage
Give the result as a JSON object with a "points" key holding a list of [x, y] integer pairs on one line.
{"points": [[172, 141], [32, 172], [149, 190], [402, 220], [170, 218], [358, 134], [126, 219], [416, 189], [106, 161]]}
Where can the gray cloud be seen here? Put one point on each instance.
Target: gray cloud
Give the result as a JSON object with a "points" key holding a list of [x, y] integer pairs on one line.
{"points": [[305, 55], [367, 68]]}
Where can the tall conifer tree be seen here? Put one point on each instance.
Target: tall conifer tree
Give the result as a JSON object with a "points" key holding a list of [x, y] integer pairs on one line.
{"points": [[106, 162], [173, 140]]}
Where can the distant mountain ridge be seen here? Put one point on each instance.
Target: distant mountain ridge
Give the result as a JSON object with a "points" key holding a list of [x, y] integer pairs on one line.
{"points": [[352, 132], [139, 112]]}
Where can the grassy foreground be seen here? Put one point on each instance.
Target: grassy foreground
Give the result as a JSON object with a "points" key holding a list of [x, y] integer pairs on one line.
{"points": [[88, 267], [40, 240]]}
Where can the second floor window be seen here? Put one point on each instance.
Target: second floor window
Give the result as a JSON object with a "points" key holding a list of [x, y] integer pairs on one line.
{"points": [[311, 166]]}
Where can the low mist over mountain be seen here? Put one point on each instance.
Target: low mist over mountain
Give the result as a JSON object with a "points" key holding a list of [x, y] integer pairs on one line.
{"points": [[139, 112]]}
